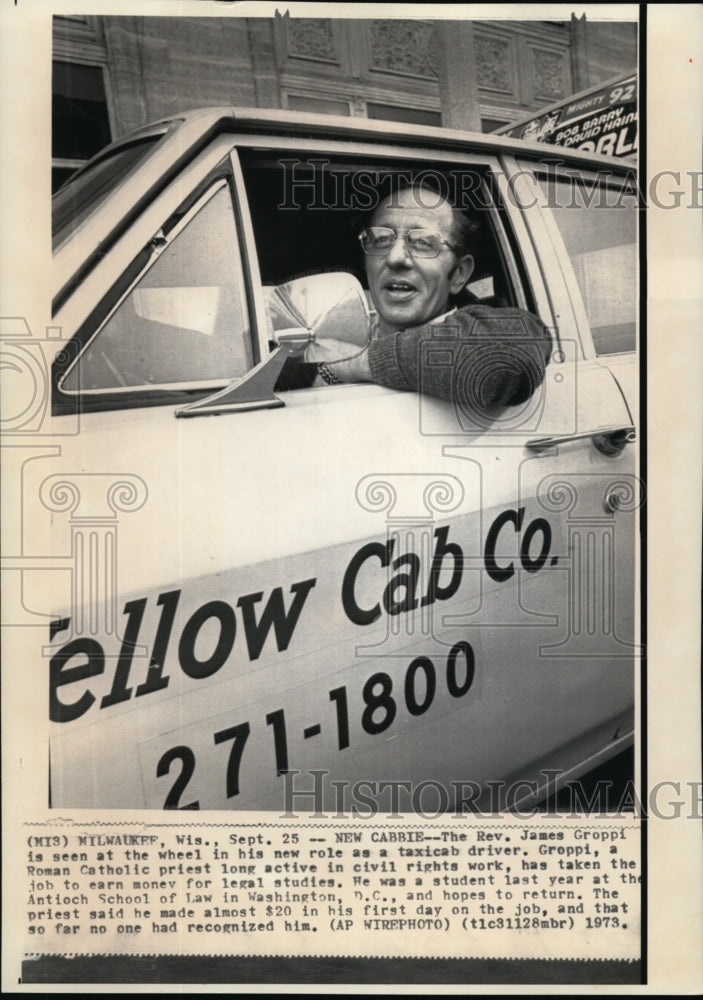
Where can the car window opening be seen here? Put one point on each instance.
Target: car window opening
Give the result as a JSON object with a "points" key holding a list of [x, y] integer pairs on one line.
{"points": [[307, 211], [184, 323]]}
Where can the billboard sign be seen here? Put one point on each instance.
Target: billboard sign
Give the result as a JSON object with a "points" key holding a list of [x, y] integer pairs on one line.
{"points": [[600, 120]]}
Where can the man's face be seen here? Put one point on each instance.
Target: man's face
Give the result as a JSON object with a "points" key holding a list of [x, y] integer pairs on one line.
{"points": [[407, 290]]}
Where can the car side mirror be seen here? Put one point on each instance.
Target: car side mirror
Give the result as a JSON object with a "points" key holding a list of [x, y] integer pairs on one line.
{"points": [[298, 312], [329, 305]]}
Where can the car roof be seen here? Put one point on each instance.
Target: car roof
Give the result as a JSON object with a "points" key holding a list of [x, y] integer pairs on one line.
{"points": [[184, 134], [305, 123]]}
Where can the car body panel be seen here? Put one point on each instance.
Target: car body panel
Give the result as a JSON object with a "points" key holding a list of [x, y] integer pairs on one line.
{"points": [[362, 582]]}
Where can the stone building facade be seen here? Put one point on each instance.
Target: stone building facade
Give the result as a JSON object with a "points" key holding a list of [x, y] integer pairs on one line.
{"points": [[114, 73]]}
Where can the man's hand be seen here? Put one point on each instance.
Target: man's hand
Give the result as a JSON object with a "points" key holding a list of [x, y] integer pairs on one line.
{"points": [[344, 360]]}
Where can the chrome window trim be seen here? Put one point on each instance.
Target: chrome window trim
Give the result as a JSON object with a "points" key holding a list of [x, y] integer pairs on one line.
{"points": [[250, 259], [549, 258]]}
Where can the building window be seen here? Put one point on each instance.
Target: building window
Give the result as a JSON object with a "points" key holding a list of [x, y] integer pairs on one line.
{"points": [[395, 113], [320, 105], [493, 124], [80, 123]]}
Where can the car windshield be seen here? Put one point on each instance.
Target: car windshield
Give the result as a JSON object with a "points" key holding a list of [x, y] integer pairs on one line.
{"points": [[81, 194]]}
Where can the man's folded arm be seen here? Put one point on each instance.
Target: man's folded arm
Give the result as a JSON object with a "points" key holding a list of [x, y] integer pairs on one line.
{"points": [[478, 356]]}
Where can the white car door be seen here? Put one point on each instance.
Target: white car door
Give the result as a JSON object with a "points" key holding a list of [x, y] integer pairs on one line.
{"points": [[360, 587]]}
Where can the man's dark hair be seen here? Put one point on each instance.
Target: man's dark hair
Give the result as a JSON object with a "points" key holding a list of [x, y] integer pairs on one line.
{"points": [[464, 233]]}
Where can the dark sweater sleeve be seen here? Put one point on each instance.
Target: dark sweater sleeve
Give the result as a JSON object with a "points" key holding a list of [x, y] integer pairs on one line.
{"points": [[477, 356]]}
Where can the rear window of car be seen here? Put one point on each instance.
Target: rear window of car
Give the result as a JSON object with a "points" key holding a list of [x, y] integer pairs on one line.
{"points": [[597, 219], [81, 195]]}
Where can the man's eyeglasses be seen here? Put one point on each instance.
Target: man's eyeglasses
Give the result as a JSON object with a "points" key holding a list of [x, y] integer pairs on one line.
{"points": [[379, 240]]}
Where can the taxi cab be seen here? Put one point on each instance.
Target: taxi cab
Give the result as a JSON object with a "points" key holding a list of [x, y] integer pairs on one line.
{"points": [[339, 590]]}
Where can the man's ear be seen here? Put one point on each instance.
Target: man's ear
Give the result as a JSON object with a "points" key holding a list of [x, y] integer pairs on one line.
{"points": [[463, 269]]}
